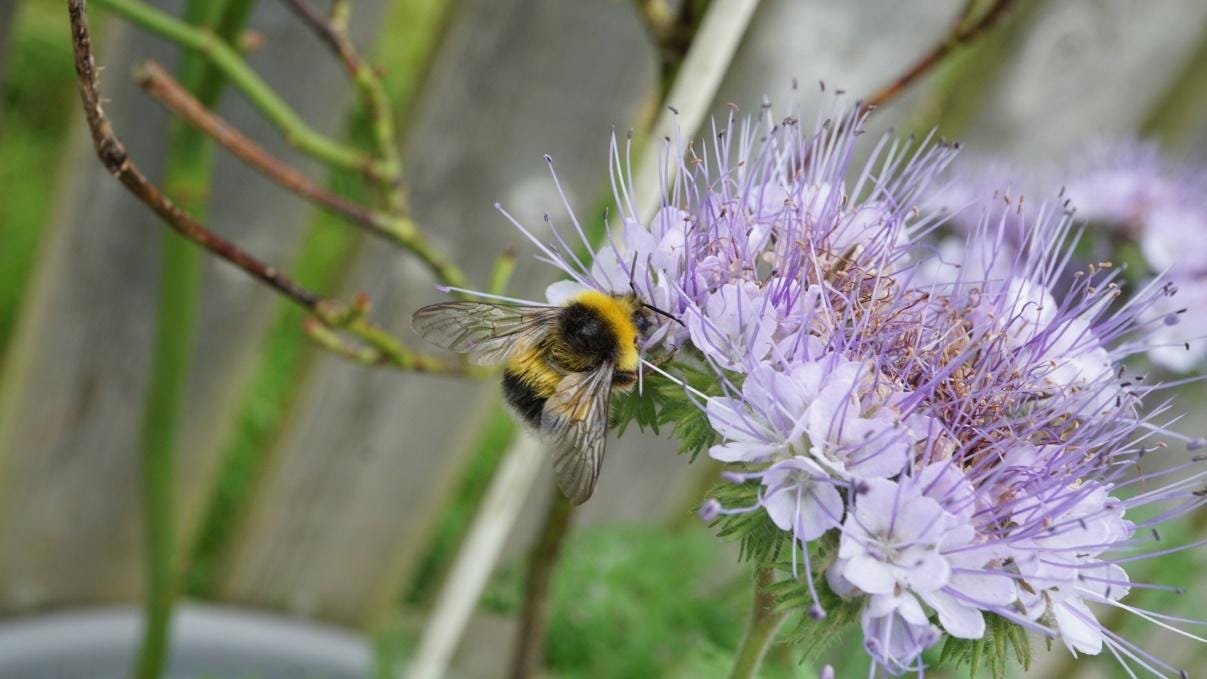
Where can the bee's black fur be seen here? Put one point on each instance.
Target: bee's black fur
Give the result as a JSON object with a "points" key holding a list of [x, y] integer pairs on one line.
{"points": [[523, 397], [586, 333]]}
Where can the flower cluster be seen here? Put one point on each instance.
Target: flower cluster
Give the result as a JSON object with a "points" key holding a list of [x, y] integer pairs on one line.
{"points": [[1131, 195], [937, 440]]}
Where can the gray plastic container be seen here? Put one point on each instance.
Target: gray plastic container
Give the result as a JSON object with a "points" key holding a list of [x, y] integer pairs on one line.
{"points": [[208, 642]]}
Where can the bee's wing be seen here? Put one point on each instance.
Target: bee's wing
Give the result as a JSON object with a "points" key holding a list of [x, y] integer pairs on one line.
{"points": [[575, 418], [488, 334]]}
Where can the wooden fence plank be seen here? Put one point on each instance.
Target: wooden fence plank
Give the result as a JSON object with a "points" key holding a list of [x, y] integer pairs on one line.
{"points": [[67, 429], [265, 219], [73, 395], [366, 460], [1087, 69]]}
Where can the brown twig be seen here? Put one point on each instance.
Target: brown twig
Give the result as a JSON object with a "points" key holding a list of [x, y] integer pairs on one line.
{"points": [[165, 89], [326, 30], [963, 31], [534, 618], [400, 230], [331, 32], [113, 155]]}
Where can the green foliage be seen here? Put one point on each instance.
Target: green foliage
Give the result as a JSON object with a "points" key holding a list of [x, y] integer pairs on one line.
{"points": [[811, 638], [758, 538], [37, 102], [637, 601], [1002, 639], [393, 641], [663, 403]]}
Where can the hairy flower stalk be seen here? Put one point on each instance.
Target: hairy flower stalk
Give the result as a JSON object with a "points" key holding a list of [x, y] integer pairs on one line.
{"points": [[941, 441]]}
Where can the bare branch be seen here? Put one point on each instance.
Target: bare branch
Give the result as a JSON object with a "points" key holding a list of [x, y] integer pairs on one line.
{"points": [[112, 153], [963, 32], [165, 89], [331, 32], [113, 156], [336, 39]]}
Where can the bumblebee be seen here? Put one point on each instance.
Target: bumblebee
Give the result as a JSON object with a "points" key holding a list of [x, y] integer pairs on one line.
{"points": [[560, 366]]}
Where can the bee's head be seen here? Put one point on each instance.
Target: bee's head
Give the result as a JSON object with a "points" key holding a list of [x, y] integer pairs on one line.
{"points": [[643, 315], [643, 321]]}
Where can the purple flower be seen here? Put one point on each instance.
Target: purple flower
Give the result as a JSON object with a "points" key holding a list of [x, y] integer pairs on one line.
{"points": [[734, 325], [958, 414], [892, 540], [896, 631], [801, 498], [1118, 183], [1127, 190], [1180, 328], [1174, 237], [856, 435]]}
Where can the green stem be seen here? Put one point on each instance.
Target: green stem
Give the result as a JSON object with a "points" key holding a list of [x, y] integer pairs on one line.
{"points": [[529, 654], [187, 179], [181, 271], [765, 621], [223, 57]]}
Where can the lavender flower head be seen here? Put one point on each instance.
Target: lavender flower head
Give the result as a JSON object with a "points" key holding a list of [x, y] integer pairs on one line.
{"points": [[940, 444], [1130, 194]]}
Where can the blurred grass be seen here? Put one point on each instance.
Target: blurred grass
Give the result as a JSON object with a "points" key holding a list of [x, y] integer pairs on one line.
{"points": [[636, 600], [641, 600], [412, 29], [37, 104]]}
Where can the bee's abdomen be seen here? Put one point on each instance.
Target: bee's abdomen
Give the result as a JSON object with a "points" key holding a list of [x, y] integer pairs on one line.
{"points": [[524, 397]]}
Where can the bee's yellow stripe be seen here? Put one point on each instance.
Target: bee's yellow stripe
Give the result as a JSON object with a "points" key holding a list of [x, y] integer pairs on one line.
{"points": [[617, 312], [533, 369]]}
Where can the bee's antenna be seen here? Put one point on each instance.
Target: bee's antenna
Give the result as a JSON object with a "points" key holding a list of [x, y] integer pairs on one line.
{"points": [[660, 312], [633, 287]]}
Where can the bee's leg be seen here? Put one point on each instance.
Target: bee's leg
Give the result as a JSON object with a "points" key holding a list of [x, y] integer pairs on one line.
{"points": [[657, 361]]}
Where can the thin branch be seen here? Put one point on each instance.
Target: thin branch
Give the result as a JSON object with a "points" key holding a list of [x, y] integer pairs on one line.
{"points": [[295, 130], [113, 156], [332, 341], [165, 89], [963, 32], [327, 31], [529, 653], [332, 32]]}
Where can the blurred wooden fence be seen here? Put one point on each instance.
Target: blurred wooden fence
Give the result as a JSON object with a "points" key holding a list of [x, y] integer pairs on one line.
{"points": [[365, 461]]}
